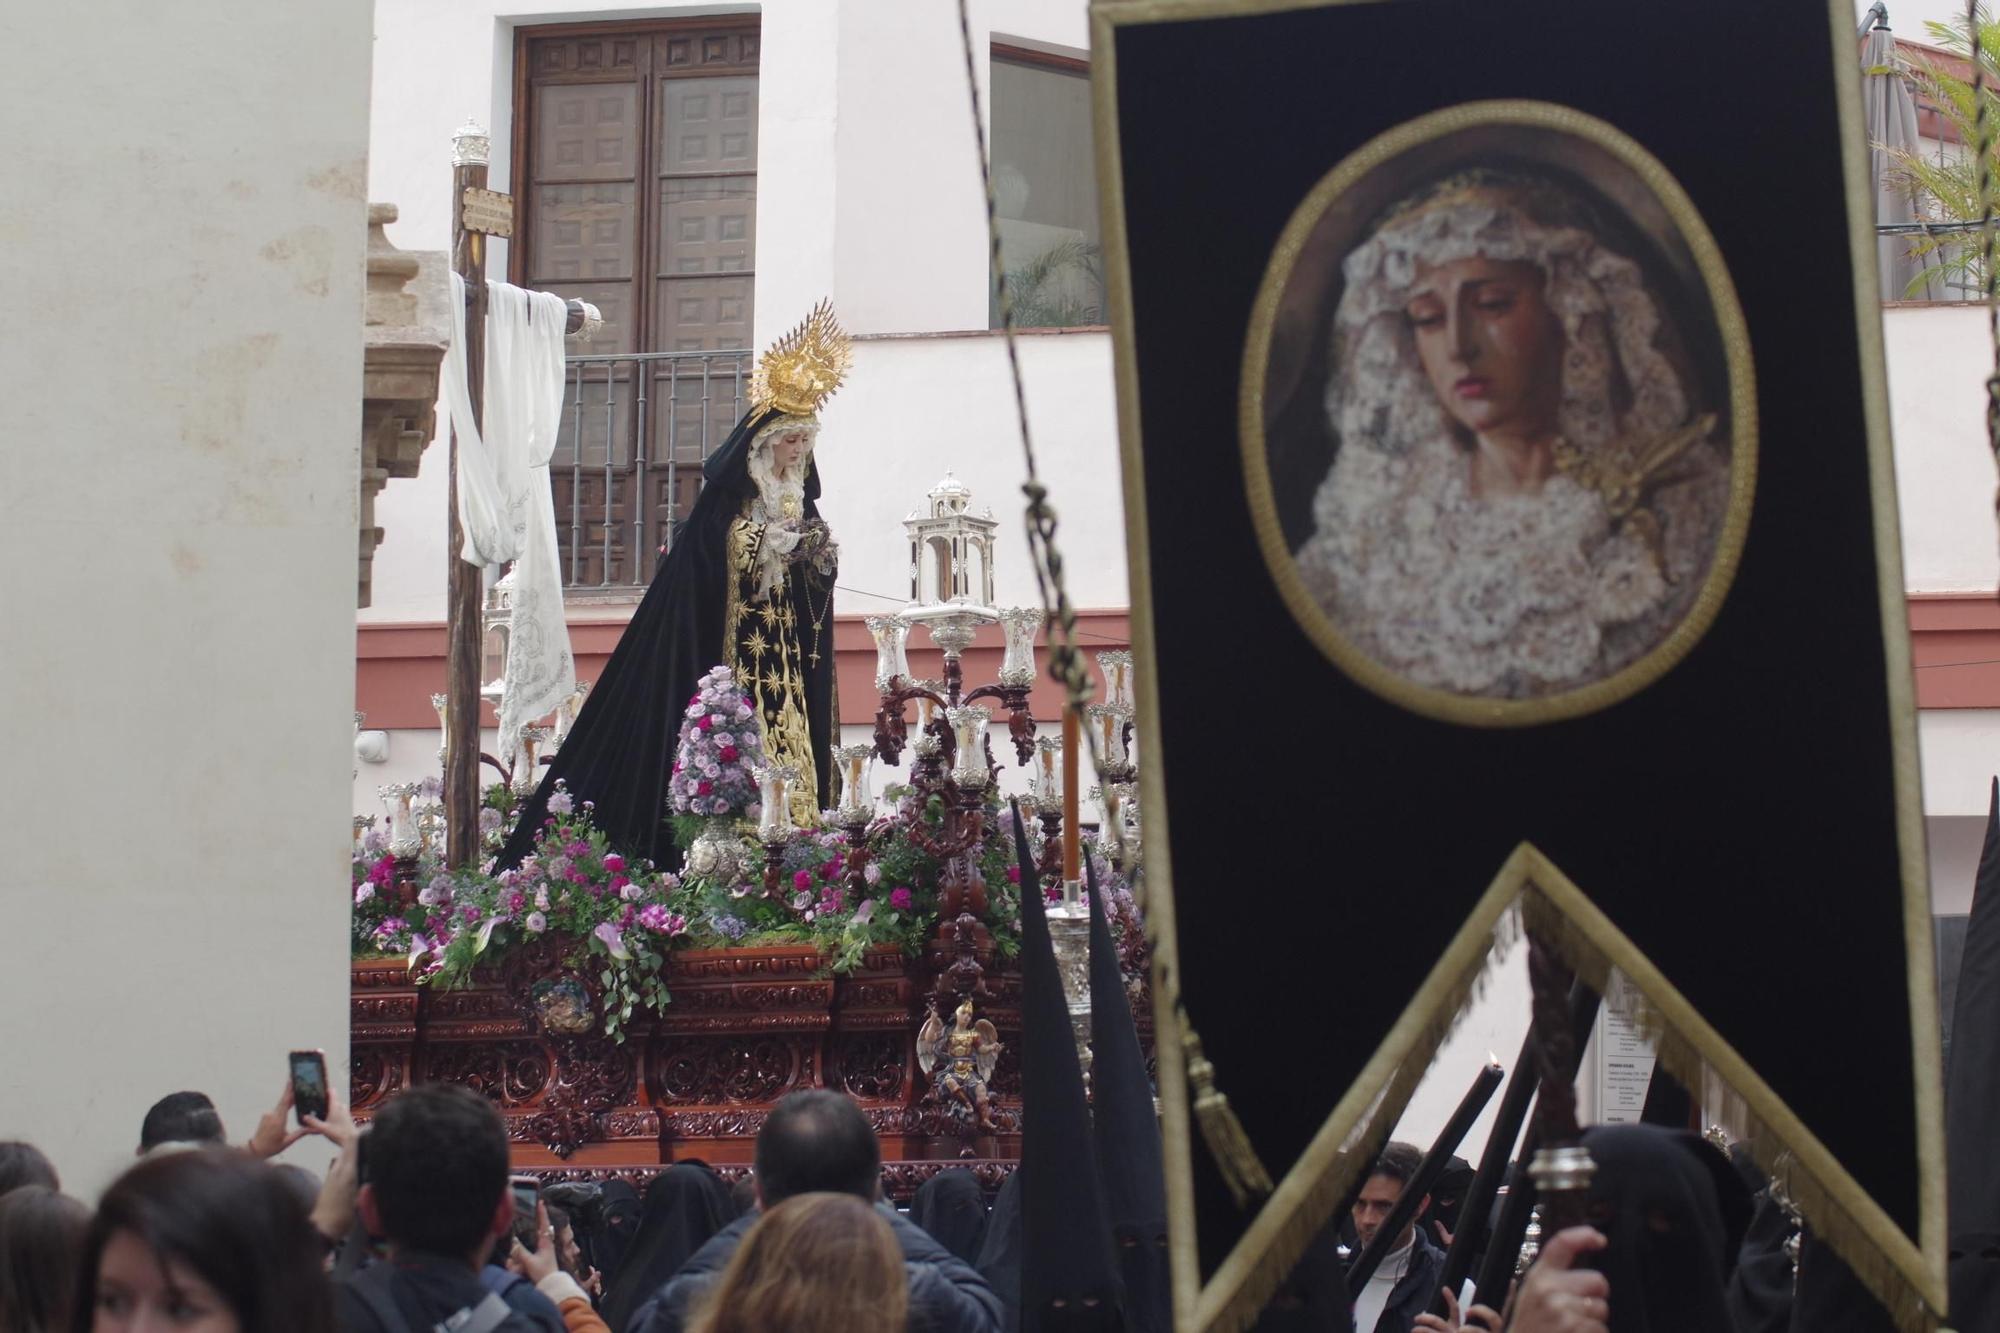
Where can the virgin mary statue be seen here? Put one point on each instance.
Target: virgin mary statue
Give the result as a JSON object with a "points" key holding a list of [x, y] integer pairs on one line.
{"points": [[1528, 494], [747, 583]]}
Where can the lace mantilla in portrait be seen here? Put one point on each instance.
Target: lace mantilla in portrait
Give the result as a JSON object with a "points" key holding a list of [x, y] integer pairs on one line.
{"points": [[1527, 594]]}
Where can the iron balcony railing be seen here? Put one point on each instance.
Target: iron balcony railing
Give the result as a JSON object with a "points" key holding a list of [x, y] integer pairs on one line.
{"points": [[627, 467]]}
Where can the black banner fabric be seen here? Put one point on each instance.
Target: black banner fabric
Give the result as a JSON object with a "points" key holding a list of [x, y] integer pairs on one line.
{"points": [[1740, 817]]}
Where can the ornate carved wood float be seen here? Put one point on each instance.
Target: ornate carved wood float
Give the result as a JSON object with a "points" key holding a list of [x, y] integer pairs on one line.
{"points": [[744, 1028]]}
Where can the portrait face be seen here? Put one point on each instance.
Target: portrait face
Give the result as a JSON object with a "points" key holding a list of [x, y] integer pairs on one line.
{"points": [[1497, 421], [1489, 344]]}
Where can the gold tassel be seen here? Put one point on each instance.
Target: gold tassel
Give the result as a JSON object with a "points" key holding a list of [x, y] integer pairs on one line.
{"points": [[1241, 1168]]}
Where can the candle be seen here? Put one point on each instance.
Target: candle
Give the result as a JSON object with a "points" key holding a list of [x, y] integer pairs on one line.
{"points": [[1110, 726], [1045, 784], [968, 725], [1117, 669], [1020, 625], [439, 702], [1071, 859], [774, 820], [892, 665], [855, 798]]}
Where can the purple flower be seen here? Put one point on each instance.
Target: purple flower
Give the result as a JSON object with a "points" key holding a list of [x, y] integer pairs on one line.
{"points": [[631, 893], [561, 803], [731, 927], [536, 923], [613, 940]]}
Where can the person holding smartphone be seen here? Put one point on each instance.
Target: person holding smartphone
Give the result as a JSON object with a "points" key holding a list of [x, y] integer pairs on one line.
{"points": [[436, 1187]]}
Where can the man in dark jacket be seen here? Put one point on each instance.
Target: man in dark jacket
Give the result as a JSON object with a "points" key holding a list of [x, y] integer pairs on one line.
{"points": [[820, 1141], [435, 1185], [1407, 1281]]}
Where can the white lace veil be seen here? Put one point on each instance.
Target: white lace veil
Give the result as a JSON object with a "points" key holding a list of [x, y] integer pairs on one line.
{"points": [[770, 489], [1378, 394]]}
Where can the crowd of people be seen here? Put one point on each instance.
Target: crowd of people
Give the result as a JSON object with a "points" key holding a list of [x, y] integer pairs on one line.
{"points": [[416, 1226]]}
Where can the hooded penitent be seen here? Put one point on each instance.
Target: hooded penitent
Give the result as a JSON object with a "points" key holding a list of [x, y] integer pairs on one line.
{"points": [[619, 755], [1127, 1132], [1068, 1279], [1972, 1102], [1673, 1211], [685, 1205], [1000, 1253], [952, 1208]]}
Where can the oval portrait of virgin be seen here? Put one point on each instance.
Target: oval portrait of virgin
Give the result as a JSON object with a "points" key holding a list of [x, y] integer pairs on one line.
{"points": [[1498, 416]]}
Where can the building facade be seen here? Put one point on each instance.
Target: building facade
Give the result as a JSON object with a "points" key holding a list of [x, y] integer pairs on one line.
{"points": [[706, 172]]}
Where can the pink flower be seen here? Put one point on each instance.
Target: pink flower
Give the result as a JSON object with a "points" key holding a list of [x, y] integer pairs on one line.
{"points": [[900, 899], [1013, 874], [536, 923], [516, 901], [613, 940], [730, 754], [707, 723], [656, 918], [613, 862], [363, 892], [1053, 893], [704, 787], [802, 880], [831, 870]]}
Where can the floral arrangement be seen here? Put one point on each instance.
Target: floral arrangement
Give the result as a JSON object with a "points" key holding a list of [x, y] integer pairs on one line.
{"points": [[619, 920], [615, 917], [720, 741]]}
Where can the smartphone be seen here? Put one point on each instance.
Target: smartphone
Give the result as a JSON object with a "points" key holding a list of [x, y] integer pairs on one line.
{"points": [[527, 1193], [308, 1084]]}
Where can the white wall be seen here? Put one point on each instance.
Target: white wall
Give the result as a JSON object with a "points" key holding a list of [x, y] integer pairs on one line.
{"points": [[1938, 359], [1908, 17], [868, 192], [179, 552]]}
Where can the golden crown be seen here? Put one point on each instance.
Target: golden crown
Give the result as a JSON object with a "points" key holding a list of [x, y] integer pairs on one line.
{"points": [[802, 369]]}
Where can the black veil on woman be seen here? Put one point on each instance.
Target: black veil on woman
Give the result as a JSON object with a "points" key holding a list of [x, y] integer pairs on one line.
{"points": [[747, 582]]}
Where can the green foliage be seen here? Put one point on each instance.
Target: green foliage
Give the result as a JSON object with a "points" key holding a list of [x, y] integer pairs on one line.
{"points": [[1062, 287], [1949, 185]]}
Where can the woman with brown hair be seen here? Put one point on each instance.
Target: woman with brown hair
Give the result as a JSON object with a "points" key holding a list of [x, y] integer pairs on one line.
{"points": [[816, 1263], [41, 1245]]}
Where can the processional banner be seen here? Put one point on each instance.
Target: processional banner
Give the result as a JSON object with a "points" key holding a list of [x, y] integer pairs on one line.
{"points": [[1513, 534]]}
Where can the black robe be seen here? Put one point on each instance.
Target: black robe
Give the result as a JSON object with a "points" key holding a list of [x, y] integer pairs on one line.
{"points": [[620, 752]]}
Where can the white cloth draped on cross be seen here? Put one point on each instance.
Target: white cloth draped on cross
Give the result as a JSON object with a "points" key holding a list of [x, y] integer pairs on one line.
{"points": [[505, 505]]}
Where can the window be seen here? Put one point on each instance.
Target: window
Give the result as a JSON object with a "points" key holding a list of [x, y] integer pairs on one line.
{"points": [[1045, 187], [635, 162]]}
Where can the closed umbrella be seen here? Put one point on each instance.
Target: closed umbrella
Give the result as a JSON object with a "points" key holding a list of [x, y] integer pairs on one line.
{"points": [[1889, 117]]}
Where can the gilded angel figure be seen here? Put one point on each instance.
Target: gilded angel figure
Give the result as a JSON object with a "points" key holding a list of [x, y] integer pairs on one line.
{"points": [[963, 1057]]}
